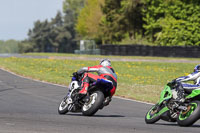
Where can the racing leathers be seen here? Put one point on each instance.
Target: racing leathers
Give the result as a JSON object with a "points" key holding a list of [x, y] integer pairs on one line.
{"points": [[104, 72], [182, 87]]}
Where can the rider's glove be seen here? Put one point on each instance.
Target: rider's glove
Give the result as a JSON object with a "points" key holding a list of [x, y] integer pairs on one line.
{"points": [[75, 75], [173, 83]]}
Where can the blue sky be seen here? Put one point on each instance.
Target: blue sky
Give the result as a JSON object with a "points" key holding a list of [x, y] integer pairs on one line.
{"points": [[18, 16]]}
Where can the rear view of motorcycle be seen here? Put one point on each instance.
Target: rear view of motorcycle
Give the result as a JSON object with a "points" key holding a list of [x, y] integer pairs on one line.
{"points": [[169, 109], [96, 98]]}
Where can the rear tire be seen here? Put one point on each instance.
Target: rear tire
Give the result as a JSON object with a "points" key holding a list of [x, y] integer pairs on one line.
{"points": [[95, 102], [152, 115], [191, 116]]}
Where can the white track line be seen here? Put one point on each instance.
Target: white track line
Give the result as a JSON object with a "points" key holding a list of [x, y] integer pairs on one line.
{"points": [[66, 86], [32, 79]]}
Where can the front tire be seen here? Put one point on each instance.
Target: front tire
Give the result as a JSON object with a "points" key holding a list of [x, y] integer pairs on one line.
{"points": [[95, 102], [63, 108], [152, 115], [190, 116]]}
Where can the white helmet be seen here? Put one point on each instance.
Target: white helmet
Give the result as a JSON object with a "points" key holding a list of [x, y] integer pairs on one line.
{"points": [[105, 62]]}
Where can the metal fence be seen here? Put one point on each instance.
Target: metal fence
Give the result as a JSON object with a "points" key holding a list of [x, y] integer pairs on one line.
{"points": [[143, 50]]}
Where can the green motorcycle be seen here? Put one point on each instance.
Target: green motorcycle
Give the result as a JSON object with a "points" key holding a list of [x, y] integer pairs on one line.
{"points": [[169, 109]]}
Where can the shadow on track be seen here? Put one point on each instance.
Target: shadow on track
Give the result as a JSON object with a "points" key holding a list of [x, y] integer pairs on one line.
{"points": [[97, 115], [6, 89], [175, 124], [108, 116], [167, 124]]}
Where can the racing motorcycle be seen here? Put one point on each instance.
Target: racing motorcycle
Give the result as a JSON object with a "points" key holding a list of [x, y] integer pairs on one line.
{"points": [[169, 109], [96, 98]]}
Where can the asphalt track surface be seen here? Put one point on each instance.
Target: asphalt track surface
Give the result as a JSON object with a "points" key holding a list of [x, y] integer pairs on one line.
{"points": [[28, 106]]}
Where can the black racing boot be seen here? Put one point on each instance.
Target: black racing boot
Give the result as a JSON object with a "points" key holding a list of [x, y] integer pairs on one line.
{"points": [[180, 94]]}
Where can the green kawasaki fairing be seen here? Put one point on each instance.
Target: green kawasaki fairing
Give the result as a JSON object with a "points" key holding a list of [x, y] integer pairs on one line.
{"points": [[170, 110], [154, 113], [194, 93]]}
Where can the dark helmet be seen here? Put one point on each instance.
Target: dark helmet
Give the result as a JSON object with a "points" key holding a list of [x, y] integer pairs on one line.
{"points": [[105, 62], [197, 68]]}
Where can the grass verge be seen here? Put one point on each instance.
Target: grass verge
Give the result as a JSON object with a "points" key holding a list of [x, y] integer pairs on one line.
{"points": [[136, 80]]}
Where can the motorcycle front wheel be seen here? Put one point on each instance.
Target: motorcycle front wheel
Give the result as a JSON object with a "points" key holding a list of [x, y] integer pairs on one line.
{"points": [[64, 106], [95, 102], [152, 115]]}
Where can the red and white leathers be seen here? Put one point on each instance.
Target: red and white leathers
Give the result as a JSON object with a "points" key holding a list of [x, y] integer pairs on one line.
{"points": [[104, 72]]}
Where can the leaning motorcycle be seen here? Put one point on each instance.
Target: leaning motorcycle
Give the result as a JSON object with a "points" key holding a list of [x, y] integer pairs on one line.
{"points": [[169, 109], [96, 98]]}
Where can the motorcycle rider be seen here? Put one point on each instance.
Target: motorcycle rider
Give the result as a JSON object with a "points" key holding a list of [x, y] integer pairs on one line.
{"points": [[181, 87], [104, 71]]}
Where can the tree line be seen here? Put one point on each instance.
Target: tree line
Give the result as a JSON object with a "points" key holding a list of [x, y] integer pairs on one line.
{"points": [[9, 46], [161, 22]]}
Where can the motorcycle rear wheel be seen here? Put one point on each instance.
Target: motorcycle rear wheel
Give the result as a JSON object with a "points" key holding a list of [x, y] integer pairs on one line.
{"points": [[93, 105], [190, 116]]}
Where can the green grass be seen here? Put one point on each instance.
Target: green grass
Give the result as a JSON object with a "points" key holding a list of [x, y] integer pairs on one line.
{"points": [[137, 80]]}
